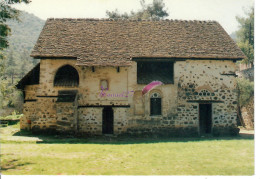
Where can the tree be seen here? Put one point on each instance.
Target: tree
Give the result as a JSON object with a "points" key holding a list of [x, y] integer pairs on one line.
{"points": [[154, 11], [248, 50], [7, 12], [11, 66], [25, 63], [245, 36]]}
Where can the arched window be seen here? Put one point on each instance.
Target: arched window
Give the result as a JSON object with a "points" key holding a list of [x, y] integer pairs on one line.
{"points": [[66, 76], [204, 92], [155, 104]]}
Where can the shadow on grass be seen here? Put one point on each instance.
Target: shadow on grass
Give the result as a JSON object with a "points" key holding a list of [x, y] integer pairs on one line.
{"points": [[122, 140]]}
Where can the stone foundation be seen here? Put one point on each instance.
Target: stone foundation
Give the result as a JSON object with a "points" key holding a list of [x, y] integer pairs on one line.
{"points": [[225, 131], [162, 132]]}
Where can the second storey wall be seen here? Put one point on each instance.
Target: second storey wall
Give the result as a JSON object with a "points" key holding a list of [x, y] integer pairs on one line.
{"points": [[180, 100], [89, 88]]}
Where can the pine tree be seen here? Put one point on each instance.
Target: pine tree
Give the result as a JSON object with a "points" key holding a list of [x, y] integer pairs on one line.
{"points": [[11, 66], [246, 36]]}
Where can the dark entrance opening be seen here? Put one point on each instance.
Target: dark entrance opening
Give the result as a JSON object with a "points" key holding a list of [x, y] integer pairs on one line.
{"points": [[67, 76], [108, 121], [155, 71], [205, 113]]}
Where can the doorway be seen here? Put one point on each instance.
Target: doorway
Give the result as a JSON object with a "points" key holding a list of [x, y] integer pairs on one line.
{"points": [[108, 121], [205, 118]]}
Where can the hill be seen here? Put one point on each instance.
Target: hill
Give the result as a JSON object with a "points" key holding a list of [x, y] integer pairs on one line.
{"points": [[24, 34], [18, 62]]}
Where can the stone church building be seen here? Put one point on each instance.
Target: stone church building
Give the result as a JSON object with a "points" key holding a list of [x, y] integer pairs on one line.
{"points": [[92, 71]]}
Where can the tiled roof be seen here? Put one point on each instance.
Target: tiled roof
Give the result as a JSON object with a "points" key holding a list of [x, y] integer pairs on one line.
{"points": [[116, 42]]}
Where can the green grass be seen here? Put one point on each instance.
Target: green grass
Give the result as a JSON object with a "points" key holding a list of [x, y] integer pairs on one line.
{"points": [[99, 156]]}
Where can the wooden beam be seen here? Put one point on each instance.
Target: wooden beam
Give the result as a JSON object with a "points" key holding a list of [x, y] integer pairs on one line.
{"points": [[204, 101], [100, 106]]}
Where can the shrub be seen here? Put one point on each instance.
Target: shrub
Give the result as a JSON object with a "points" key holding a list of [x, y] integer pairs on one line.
{"points": [[245, 91]]}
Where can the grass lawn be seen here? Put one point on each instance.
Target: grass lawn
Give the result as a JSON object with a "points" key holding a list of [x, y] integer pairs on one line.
{"points": [[104, 156]]}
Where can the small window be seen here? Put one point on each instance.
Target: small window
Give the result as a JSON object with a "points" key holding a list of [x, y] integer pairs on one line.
{"points": [[104, 85], [156, 104]]}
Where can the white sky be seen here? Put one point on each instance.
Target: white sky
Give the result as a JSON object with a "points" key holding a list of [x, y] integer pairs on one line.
{"points": [[223, 11]]}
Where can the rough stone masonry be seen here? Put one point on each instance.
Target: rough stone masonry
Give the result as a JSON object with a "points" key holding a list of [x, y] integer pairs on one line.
{"points": [[195, 60]]}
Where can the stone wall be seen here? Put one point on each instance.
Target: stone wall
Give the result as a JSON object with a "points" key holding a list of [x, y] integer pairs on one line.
{"points": [[29, 107], [204, 81], [139, 120], [67, 117], [90, 120], [46, 115], [29, 115], [195, 81], [120, 120]]}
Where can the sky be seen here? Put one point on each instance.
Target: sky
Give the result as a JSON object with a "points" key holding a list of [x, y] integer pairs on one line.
{"points": [[223, 11]]}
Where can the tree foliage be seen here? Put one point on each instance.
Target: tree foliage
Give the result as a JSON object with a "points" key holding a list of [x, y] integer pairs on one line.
{"points": [[246, 91], [17, 57], [154, 11], [6, 13], [245, 35]]}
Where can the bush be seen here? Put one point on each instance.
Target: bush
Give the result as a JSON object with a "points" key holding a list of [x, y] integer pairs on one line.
{"points": [[245, 91]]}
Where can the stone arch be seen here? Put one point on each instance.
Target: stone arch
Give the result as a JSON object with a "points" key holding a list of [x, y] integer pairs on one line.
{"points": [[205, 87], [204, 92], [66, 76], [155, 95], [153, 91]]}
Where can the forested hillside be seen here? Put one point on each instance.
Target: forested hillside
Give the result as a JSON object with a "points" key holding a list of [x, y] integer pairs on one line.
{"points": [[17, 62], [21, 42]]}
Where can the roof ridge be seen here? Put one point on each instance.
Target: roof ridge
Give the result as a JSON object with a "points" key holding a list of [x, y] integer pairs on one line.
{"points": [[134, 20]]}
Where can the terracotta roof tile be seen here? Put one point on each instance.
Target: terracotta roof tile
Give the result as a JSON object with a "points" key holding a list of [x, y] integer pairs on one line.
{"points": [[115, 42]]}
